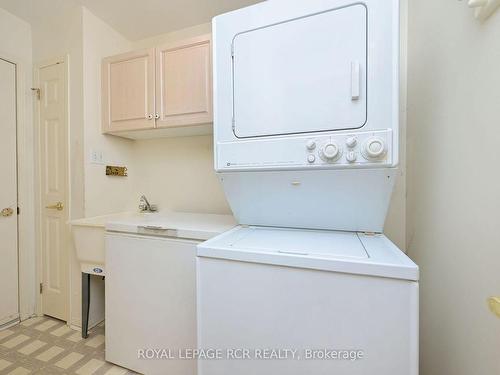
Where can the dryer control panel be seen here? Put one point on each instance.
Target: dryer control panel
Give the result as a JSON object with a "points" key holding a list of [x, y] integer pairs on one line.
{"points": [[352, 149], [346, 150]]}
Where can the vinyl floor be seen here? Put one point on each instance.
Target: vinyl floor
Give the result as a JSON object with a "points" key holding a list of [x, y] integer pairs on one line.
{"points": [[47, 346]]}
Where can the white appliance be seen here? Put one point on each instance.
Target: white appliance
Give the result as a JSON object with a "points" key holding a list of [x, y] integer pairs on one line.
{"points": [[306, 133], [275, 288], [304, 88], [151, 288]]}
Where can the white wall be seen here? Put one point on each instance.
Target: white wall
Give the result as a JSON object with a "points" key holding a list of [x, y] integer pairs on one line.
{"points": [[15, 45], [454, 184], [103, 194], [178, 174], [186, 33]]}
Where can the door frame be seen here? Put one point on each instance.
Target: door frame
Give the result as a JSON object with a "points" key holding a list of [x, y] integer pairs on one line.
{"points": [[38, 185], [25, 183], [16, 152]]}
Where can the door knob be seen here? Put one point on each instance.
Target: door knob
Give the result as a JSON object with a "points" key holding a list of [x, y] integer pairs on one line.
{"points": [[7, 212], [58, 206]]}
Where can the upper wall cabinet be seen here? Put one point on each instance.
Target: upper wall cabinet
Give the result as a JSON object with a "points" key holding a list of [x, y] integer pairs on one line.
{"points": [[165, 91], [184, 83], [128, 87]]}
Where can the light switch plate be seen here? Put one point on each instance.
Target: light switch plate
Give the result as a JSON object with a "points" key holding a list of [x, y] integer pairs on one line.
{"points": [[96, 157]]}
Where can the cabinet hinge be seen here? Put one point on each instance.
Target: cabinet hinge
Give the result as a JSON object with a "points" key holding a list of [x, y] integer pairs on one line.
{"points": [[18, 211], [232, 51], [41, 288], [233, 124]]}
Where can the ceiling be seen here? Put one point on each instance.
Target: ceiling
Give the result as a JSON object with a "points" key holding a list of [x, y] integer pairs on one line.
{"points": [[134, 19]]}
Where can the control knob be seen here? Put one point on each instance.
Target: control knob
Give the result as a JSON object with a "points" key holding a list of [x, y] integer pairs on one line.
{"points": [[351, 156], [311, 145], [330, 151], [351, 142], [374, 148]]}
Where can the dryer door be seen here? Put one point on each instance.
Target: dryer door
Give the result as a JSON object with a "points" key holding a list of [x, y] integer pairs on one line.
{"points": [[301, 76]]}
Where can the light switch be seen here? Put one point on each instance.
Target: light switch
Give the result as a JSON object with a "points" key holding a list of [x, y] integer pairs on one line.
{"points": [[94, 156]]}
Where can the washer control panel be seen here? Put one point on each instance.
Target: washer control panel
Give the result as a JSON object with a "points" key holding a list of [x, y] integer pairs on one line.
{"points": [[350, 149]]}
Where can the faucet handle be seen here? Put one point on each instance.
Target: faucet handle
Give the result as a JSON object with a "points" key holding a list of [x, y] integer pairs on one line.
{"points": [[145, 206]]}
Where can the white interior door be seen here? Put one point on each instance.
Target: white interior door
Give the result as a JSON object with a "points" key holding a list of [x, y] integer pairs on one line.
{"points": [[9, 307], [53, 173], [303, 75]]}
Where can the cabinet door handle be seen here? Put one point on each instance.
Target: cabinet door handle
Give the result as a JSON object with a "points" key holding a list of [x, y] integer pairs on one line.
{"points": [[157, 116], [153, 229], [149, 117]]}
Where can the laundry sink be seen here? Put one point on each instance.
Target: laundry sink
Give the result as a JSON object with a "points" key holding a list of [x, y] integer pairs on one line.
{"points": [[88, 237]]}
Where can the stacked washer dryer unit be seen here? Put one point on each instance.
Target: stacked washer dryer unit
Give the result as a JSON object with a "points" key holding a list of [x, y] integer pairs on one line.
{"points": [[306, 135]]}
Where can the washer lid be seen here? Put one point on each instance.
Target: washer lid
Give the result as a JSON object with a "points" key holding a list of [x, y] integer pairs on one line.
{"points": [[346, 252], [318, 243]]}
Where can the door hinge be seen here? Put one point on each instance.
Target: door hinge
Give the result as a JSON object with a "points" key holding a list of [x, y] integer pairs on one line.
{"points": [[41, 288], [18, 211], [37, 90]]}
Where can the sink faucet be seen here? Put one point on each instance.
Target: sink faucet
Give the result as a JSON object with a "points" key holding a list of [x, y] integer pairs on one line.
{"points": [[144, 205]]}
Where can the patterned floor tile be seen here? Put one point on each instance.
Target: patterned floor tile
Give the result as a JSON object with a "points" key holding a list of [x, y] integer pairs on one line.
{"points": [[19, 371], [95, 341], [15, 341], [115, 370], [30, 322], [50, 353], [46, 325], [61, 331], [5, 333], [32, 347], [90, 367], [47, 346], [4, 364], [69, 360]]}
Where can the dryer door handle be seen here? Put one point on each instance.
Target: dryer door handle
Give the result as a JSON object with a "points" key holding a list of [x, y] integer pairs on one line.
{"points": [[355, 80]]}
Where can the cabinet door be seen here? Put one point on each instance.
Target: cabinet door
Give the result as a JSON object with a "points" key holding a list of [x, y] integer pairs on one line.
{"points": [[128, 90], [150, 298], [184, 83]]}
